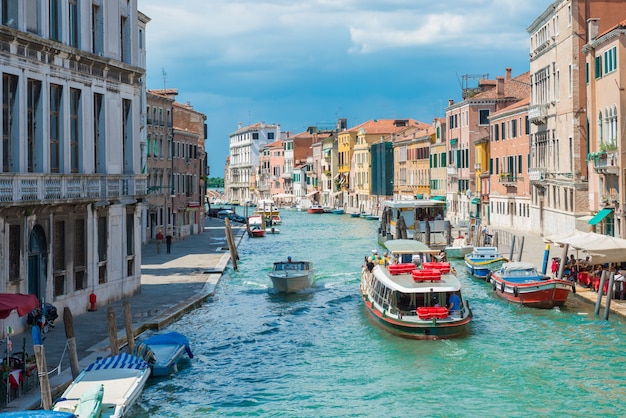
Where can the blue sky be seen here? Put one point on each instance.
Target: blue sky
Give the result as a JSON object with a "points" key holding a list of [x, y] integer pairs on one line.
{"points": [[310, 62]]}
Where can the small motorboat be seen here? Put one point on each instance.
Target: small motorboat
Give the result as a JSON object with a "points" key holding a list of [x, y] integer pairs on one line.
{"points": [[315, 209], [520, 282], [459, 248], [292, 276], [164, 352], [482, 260], [256, 231], [338, 211], [122, 378]]}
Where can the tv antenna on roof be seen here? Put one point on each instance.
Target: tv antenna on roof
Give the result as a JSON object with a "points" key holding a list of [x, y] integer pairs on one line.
{"points": [[164, 74], [469, 91]]}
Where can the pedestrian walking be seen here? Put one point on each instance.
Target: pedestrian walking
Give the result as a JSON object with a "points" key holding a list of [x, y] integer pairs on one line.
{"points": [[159, 238], [168, 242]]}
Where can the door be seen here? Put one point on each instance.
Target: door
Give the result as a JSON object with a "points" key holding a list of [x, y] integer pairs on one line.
{"points": [[36, 262]]}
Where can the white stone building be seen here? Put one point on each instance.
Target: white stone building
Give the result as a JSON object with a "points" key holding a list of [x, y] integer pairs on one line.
{"points": [[72, 146], [245, 147]]}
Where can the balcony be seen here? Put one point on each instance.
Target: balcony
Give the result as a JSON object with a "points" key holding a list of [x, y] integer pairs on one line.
{"points": [[538, 114], [605, 162], [509, 180], [287, 174], [452, 171], [60, 188], [536, 175]]}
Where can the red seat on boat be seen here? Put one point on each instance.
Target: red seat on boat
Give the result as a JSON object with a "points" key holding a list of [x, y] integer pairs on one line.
{"points": [[425, 275], [402, 268], [430, 312], [442, 266]]}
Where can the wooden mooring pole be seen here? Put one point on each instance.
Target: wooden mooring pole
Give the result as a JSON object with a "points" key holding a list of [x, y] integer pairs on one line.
{"points": [[42, 368], [68, 322], [112, 325], [128, 321], [231, 244]]}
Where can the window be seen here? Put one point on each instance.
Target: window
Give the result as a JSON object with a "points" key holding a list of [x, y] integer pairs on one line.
{"points": [[598, 61], [73, 23], [102, 249], [97, 30], [32, 15], [80, 278], [127, 136], [34, 93], [58, 258], [98, 133], [496, 132], [55, 128], [483, 116], [610, 60], [75, 129], [9, 116], [270, 135], [15, 252], [502, 128], [10, 13], [55, 20], [255, 135]]}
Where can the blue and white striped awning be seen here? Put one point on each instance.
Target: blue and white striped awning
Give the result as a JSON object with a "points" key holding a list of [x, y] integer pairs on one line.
{"points": [[121, 361]]}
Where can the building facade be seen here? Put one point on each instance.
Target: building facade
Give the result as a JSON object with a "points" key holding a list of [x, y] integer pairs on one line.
{"points": [[71, 182]]}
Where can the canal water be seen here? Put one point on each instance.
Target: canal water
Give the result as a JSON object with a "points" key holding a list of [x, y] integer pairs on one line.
{"points": [[316, 354]]}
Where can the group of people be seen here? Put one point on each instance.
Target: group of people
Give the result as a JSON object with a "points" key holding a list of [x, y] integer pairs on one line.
{"points": [[168, 241]]}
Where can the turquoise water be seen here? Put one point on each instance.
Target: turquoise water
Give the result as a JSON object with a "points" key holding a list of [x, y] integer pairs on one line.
{"points": [[315, 354]]}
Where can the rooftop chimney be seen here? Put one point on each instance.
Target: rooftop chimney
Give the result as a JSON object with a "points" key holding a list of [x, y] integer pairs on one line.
{"points": [[508, 73], [450, 102], [500, 86], [592, 28]]}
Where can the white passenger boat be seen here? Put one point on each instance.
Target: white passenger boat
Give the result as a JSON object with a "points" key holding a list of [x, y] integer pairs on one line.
{"points": [[292, 276], [122, 377], [458, 249], [416, 297]]}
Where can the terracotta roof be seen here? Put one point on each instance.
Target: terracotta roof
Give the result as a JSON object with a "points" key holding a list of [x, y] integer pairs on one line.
{"points": [[385, 126], [524, 102], [620, 25], [514, 88]]}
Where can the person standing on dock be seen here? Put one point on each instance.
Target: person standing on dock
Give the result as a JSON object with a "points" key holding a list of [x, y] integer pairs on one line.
{"points": [[168, 242], [159, 239]]}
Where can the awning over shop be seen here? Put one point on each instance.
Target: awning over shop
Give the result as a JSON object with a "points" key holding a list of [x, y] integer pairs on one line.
{"points": [[440, 198], [24, 304], [599, 216], [475, 200]]}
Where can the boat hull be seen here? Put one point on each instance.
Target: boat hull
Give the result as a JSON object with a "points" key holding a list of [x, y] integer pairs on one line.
{"points": [[424, 330], [289, 283], [542, 294], [481, 269], [458, 252]]}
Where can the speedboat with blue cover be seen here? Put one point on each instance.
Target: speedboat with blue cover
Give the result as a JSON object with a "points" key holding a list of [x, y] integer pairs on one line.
{"points": [[164, 351], [482, 260]]}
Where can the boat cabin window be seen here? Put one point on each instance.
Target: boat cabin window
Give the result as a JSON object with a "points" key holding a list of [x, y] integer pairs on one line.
{"points": [[278, 267]]}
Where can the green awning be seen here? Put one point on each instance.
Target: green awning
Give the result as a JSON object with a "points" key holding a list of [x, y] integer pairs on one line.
{"points": [[475, 200], [599, 216], [441, 198]]}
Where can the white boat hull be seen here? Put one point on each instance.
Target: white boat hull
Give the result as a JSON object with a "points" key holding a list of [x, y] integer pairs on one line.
{"points": [[284, 281]]}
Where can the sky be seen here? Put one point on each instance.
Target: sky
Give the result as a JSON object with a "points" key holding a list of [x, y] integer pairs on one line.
{"points": [[310, 62]]}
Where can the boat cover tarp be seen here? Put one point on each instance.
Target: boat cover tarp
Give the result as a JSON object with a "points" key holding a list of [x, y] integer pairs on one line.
{"points": [[170, 338], [407, 246], [121, 361], [24, 304]]}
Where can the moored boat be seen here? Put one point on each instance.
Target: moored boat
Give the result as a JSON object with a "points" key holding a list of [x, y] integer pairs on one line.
{"points": [[315, 209], [459, 248], [338, 211], [415, 299], [164, 352], [256, 231], [520, 282], [292, 276], [402, 219], [482, 260], [122, 378]]}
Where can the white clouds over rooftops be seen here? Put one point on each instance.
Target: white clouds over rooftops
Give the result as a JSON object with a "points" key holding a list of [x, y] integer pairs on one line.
{"points": [[235, 31]]}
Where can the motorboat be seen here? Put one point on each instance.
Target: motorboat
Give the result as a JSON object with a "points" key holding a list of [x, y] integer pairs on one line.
{"points": [[403, 219], [415, 297], [164, 351], [256, 231], [122, 378], [292, 276], [520, 282], [315, 209], [338, 211], [482, 260], [459, 248]]}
